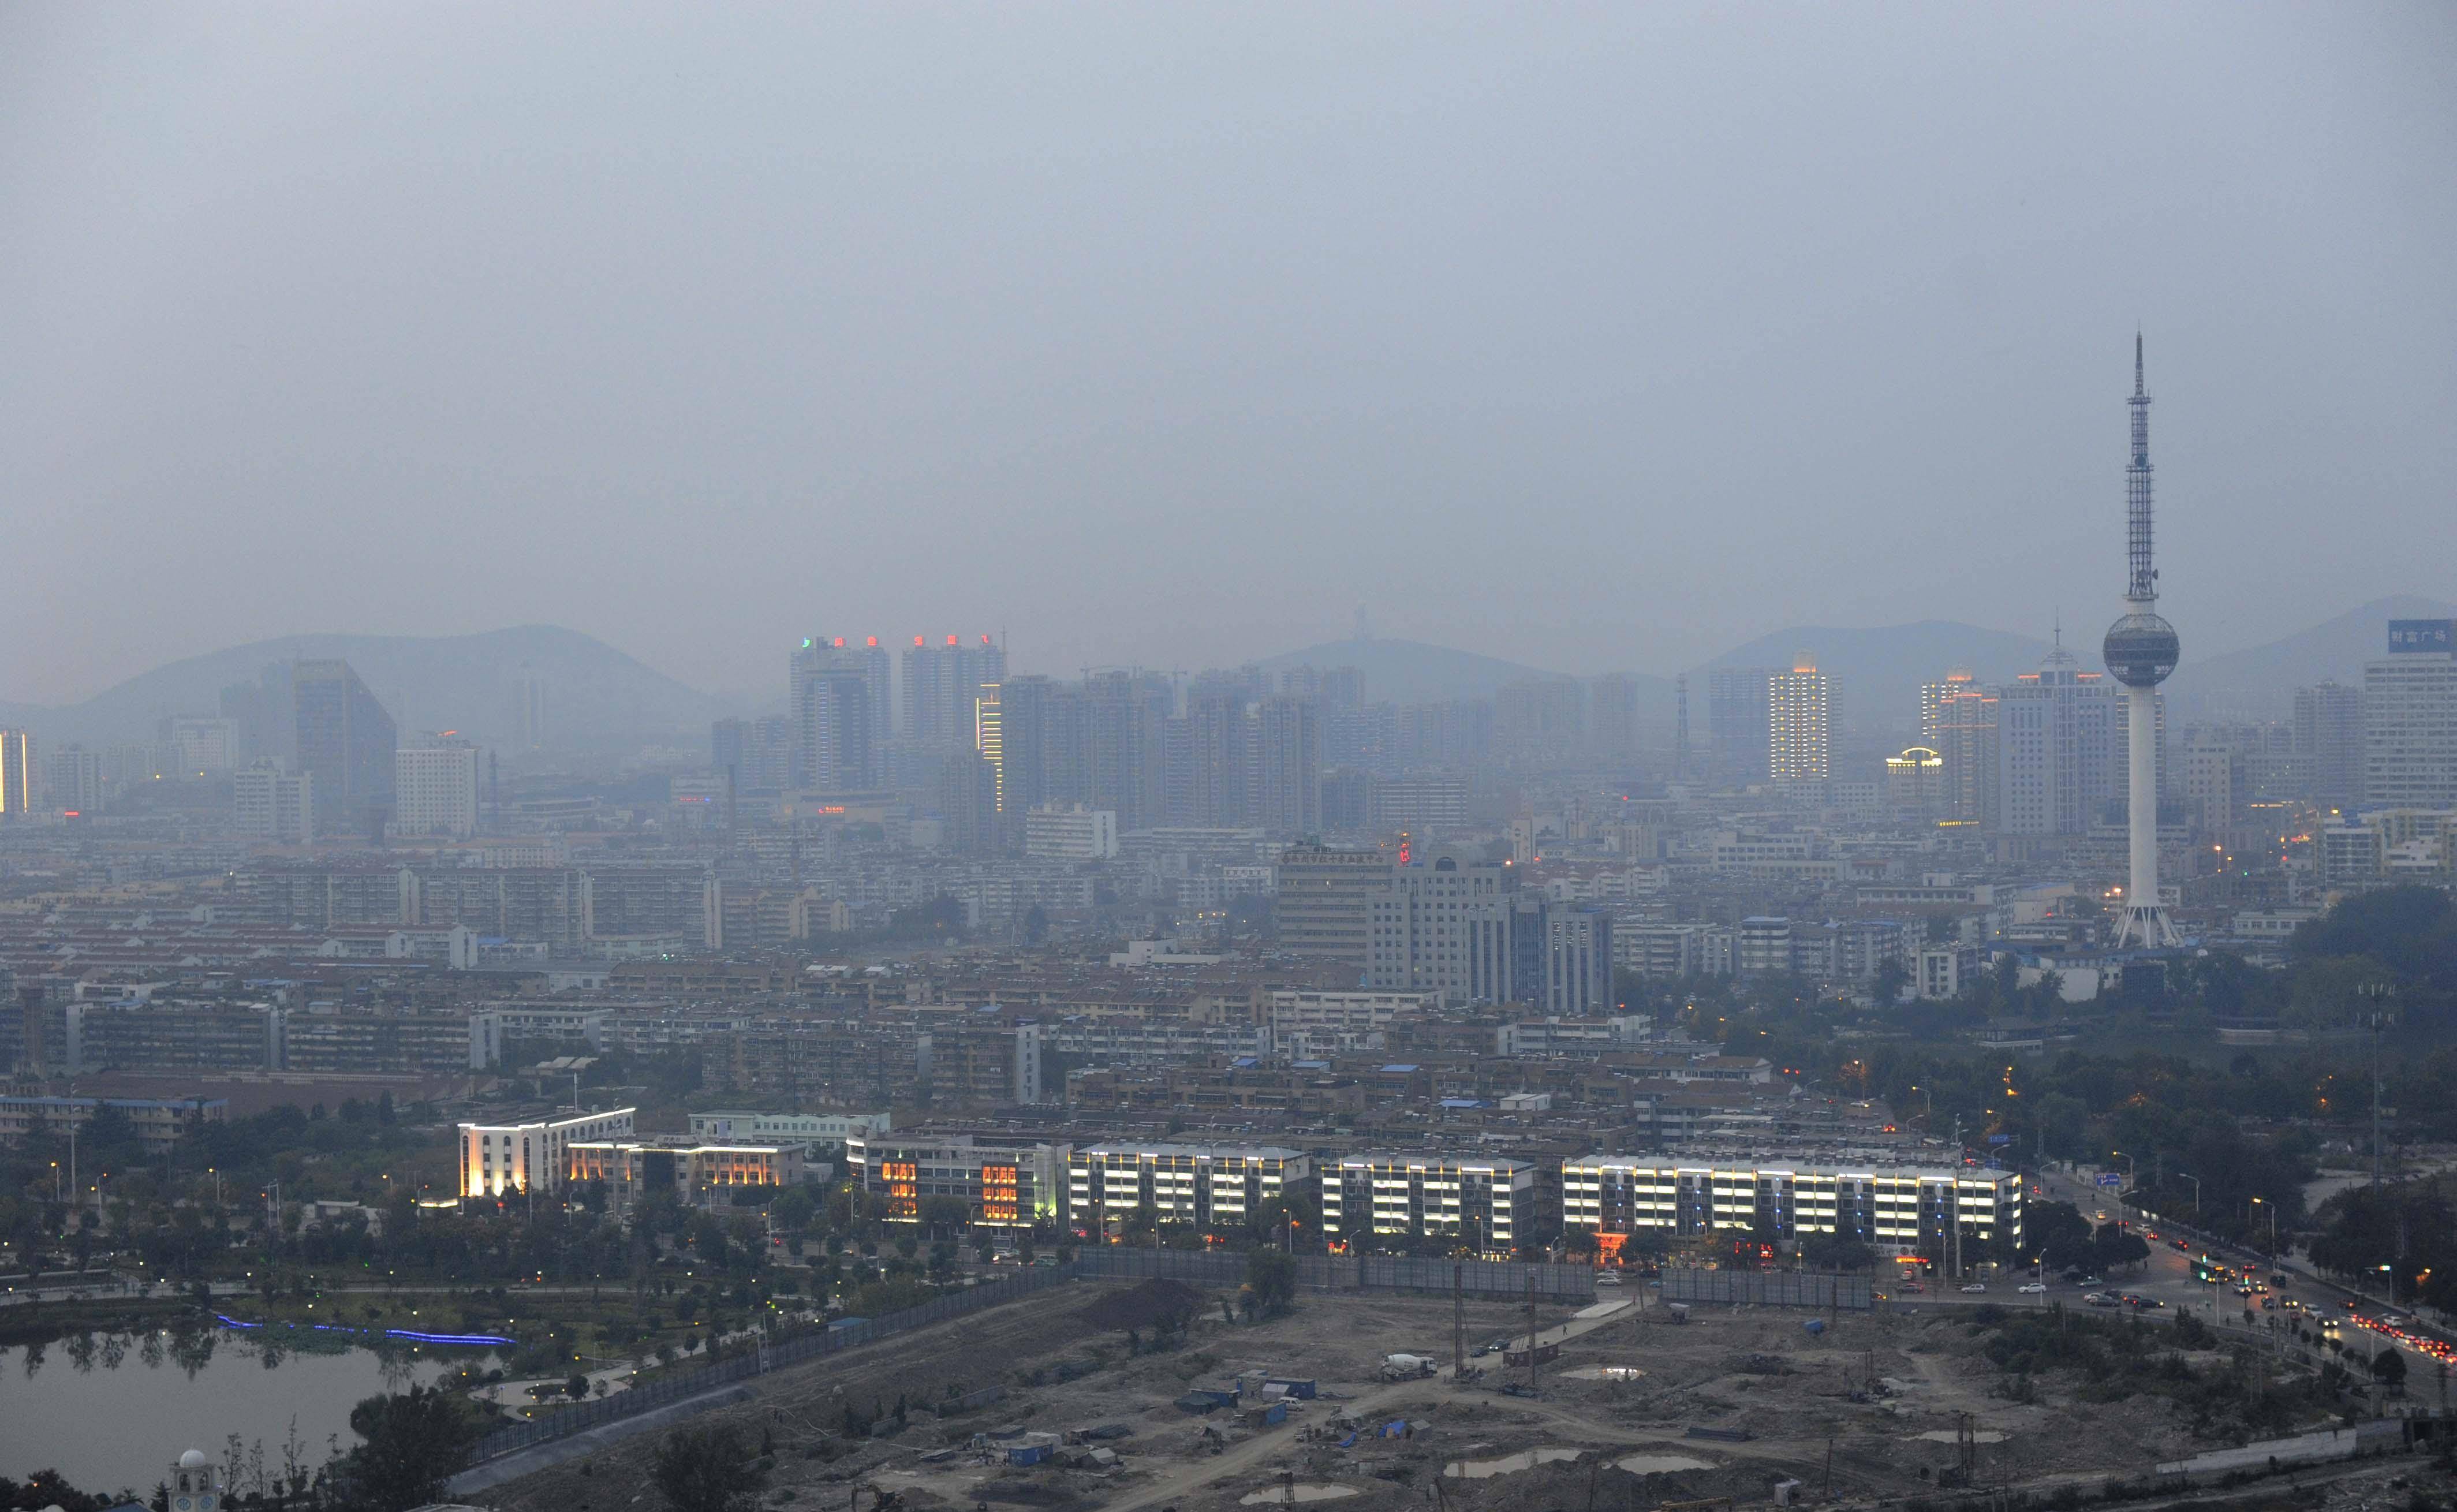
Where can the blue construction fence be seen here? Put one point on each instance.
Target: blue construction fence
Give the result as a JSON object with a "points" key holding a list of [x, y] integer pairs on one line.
{"points": [[677, 1386]]}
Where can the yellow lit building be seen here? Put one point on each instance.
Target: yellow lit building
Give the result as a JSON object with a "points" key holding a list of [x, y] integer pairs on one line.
{"points": [[1798, 741]]}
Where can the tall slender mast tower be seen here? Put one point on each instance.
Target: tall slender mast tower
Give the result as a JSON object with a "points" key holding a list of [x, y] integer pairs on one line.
{"points": [[2140, 651]]}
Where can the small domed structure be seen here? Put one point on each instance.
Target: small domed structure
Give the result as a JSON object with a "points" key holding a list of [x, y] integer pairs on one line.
{"points": [[197, 1484]]}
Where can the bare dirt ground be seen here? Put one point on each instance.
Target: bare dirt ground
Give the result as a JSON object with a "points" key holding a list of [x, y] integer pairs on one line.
{"points": [[1868, 1408]]}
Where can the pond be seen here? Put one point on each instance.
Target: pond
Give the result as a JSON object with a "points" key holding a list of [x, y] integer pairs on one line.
{"points": [[112, 1410]]}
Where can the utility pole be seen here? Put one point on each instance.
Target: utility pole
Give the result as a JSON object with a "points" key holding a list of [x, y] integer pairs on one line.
{"points": [[1531, 1334], [1953, 1203], [1458, 1321], [2376, 991]]}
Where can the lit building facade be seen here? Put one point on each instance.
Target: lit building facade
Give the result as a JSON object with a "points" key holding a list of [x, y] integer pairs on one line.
{"points": [[1799, 742], [1896, 1210], [499, 1160], [1488, 1204], [16, 775], [689, 1170], [1208, 1186], [1002, 1182]]}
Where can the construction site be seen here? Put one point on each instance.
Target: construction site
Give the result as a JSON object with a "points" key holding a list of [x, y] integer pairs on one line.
{"points": [[1156, 1395]]}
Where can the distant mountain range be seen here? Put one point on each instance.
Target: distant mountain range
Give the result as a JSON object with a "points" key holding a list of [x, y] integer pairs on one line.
{"points": [[596, 699], [2262, 679], [600, 701], [1415, 672]]}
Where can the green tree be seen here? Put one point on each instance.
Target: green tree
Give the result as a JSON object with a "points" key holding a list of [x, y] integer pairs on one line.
{"points": [[709, 1469], [1270, 1282], [792, 1210], [413, 1443], [2388, 1367]]}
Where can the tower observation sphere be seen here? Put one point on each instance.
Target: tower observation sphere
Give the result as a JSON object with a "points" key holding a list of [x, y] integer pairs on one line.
{"points": [[2141, 649]]}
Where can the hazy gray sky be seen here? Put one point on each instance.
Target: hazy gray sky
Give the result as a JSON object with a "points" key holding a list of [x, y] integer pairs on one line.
{"points": [[1594, 338]]}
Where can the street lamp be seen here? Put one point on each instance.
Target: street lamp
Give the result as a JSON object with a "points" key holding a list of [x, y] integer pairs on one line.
{"points": [[2197, 1191], [2273, 1223], [2377, 992]]}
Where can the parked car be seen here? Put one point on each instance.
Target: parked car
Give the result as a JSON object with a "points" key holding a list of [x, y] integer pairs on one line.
{"points": [[1607, 1278], [1976, 1286], [2034, 1289]]}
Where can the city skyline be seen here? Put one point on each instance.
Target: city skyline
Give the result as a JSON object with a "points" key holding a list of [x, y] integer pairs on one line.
{"points": [[1147, 429]]}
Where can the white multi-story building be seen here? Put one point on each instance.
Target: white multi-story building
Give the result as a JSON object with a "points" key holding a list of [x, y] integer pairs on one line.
{"points": [[1438, 929], [1208, 1186], [689, 1170], [1940, 971], [1070, 832], [809, 1131], [72, 779], [1488, 1202], [1304, 1010], [1895, 1209], [2060, 748], [435, 790], [199, 746], [271, 804], [2410, 718], [501, 1160], [1763, 946]]}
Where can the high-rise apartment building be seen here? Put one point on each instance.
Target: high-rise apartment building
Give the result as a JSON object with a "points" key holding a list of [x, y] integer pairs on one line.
{"points": [[526, 695], [72, 780], [1442, 926], [1539, 719], [2410, 718], [942, 681], [2060, 751], [836, 746], [1798, 743], [435, 789], [16, 775], [271, 804], [1288, 775], [1958, 722], [1324, 904], [1738, 725], [2329, 737], [345, 740], [1612, 717]]}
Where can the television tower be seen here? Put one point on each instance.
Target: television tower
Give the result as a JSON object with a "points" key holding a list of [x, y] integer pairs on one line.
{"points": [[2140, 651]]}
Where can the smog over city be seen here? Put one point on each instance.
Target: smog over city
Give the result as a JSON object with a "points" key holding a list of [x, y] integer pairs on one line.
{"points": [[1135, 758]]}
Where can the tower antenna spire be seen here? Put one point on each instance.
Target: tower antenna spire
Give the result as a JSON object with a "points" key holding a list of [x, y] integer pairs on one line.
{"points": [[2140, 651]]}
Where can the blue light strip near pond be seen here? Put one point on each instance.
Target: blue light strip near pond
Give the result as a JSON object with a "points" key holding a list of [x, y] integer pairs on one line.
{"points": [[411, 1334]]}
